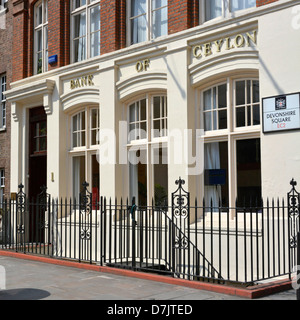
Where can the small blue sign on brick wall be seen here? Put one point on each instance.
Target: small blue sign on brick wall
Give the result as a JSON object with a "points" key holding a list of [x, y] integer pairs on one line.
{"points": [[52, 59]]}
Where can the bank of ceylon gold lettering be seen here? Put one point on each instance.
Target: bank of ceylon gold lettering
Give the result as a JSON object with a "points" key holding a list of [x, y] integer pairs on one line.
{"points": [[240, 40], [82, 82], [142, 65]]}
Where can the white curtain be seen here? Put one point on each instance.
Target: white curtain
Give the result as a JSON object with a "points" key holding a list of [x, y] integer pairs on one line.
{"points": [[242, 4], [159, 18], [95, 31], [138, 21], [210, 109], [213, 9], [80, 36], [212, 161]]}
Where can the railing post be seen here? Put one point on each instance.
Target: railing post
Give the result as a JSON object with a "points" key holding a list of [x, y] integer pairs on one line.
{"points": [[20, 217], [43, 221], [85, 224], [180, 213], [132, 211], [293, 198], [298, 268]]}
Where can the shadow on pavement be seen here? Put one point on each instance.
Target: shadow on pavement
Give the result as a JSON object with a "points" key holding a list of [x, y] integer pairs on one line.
{"points": [[23, 294]]}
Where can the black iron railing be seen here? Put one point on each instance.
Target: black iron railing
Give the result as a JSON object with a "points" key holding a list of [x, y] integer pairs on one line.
{"points": [[196, 242]]}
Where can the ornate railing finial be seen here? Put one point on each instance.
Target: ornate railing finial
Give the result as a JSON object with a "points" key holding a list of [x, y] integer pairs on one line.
{"points": [[180, 182], [21, 187], [293, 183], [85, 185]]}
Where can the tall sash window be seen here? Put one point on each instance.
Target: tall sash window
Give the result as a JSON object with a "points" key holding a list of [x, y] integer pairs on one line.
{"points": [[148, 19], [85, 29], [41, 37]]}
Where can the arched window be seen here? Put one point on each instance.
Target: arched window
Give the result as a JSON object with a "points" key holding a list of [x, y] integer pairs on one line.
{"points": [[230, 117], [147, 149], [84, 145], [41, 37]]}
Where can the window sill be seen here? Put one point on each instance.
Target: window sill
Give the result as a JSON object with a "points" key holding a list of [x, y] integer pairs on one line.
{"points": [[3, 11], [246, 129], [3, 129]]}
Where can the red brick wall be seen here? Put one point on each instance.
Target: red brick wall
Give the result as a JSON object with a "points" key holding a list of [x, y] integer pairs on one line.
{"points": [[113, 25], [59, 35], [20, 49], [6, 36], [182, 14]]}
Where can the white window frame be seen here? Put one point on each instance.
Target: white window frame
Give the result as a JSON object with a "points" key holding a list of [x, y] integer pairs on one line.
{"points": [[231, 106], [79, 130], [250, 104], [149, 21], [85, 7], [217, 109], [88, 150], [163, 117], [43, 28], [96, 128], [227, 11], [2, 102], [150, 142], [138, 122], [149, 119], [3, 5], [230, 135]]}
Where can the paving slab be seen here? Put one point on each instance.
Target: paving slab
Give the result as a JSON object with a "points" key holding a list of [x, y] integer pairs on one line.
{"points": [[34, 280]]}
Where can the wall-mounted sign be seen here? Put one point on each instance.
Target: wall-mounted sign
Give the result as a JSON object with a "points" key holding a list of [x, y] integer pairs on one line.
{"points": [[82, 82], [281, 113], [227, 43], [52, 59]]}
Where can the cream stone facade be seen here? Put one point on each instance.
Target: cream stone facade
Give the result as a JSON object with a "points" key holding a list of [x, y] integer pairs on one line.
{"points": [[177, 73]]}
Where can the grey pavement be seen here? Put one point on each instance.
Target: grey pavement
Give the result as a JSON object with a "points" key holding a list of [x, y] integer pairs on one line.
{"points": [[32, 280]]}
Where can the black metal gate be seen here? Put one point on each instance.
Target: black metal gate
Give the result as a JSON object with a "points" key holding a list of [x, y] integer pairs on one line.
{"points": [[195, 242]]}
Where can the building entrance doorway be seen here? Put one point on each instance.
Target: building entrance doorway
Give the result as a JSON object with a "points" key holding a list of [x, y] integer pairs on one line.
{"points": [[37, 168]]}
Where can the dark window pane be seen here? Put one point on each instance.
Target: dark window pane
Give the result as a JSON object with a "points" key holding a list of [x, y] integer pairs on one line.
{"points": [[249, 115], [240, 117], [223, 119], [207, 100], [256, 115], [255, 91], [222, 98], [240, 92], [143, 109], [156, 107]]}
